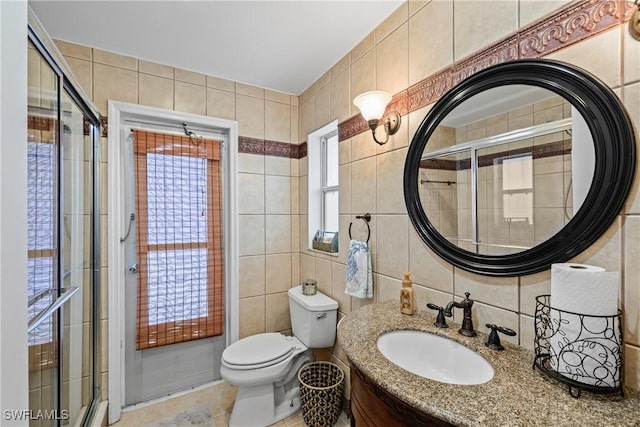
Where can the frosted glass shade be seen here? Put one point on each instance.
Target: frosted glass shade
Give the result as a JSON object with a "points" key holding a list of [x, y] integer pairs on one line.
{"points": [[372, 104]]}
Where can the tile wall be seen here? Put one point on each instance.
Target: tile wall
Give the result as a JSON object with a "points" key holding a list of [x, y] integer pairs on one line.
{"points": [[268, 185], [417, 40]]}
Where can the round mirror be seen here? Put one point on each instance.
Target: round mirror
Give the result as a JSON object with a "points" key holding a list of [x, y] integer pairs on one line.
{"points": [[521, 165]]}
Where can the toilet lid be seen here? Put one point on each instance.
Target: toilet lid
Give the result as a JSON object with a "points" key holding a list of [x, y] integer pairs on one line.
{"points": [[261, 349]]}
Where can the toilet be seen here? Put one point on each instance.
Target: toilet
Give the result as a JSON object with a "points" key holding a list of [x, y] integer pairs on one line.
{"points": [[265, 366]]}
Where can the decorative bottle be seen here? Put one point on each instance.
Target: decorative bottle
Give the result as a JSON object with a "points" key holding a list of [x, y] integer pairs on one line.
{"points": [[407, 303]]}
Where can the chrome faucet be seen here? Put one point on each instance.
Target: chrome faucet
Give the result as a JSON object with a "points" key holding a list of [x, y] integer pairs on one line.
{"points": [[467, 322]]}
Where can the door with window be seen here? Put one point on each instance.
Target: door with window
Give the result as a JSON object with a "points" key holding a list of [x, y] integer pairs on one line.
{"points": [[174, 248]]}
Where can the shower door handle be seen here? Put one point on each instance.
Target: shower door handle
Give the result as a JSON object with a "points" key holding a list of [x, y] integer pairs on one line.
{"points": [[133, 268], [64, 296]]}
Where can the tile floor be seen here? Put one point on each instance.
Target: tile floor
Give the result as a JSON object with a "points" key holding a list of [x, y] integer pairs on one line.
{"points": [[219, 398]]}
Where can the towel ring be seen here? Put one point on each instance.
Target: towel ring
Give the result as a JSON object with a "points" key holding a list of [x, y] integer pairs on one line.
{"points": [[366, 218]]}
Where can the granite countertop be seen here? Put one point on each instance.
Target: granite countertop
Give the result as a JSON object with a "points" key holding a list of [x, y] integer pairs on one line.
{"points": [[516, 396]]}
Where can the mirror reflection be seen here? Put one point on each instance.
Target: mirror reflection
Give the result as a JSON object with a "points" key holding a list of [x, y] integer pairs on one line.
{"points": [[506, 169]]}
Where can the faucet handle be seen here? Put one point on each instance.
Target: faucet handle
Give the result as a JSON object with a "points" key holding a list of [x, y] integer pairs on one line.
{"points": [[493, 342], [440, 320]]}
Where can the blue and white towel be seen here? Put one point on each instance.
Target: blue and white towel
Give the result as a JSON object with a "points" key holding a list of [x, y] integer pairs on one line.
{"points": [[359, 275]]}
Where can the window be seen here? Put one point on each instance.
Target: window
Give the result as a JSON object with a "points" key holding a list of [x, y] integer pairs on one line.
{"points": [[179, 239], [323, 180]]}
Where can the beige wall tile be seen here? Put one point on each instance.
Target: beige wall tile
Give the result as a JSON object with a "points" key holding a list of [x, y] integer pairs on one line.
{"points": [[392, 61], [631, 290], [605, 65], [244, 89], [322, 107], [278, 189], [363, 47], [391, 247], [83, 72], [307, 267], [277, 166], [363, 186], [387, 289], [278, 273], [363, 146], [190, 98], [389, 182], [252, 234], [389, 25], [338, 274], [74, 50], [416, 5], [251, 280], [295, 233], [222, 84], [307, 120], [497, 291], [531, 287], [631, 98], [252, 313], [631, 58], [340, 105], [483, 314], [341, 66], [427, 268], [295, 269], [114, 59], [295, 126], [344, 194], [527, 331], [190, 77], [251, 193], [251, 163], [430, 40], [155, 69], [363, 77], [250, 116], [277, 121], [532, 10], [221, 104], [606, 252], [295, 196], [113, 83], [272, 95], [155, 91], [323, 275], [278, 318], [478, 24], [424, 295], [278, 234], [632, 366]]}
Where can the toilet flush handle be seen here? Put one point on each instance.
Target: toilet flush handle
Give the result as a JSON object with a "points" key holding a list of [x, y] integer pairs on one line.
{"points": [[321, 316]]}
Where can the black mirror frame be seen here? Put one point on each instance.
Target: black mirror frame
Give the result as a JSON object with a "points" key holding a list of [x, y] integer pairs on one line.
{"points": [[615, 149]]}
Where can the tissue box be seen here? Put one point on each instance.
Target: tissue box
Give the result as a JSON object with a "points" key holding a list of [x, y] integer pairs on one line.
{"points": [[326, 241]]}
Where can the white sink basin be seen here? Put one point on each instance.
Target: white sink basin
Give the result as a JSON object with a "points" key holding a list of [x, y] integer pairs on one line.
{"points": [[435, 357]]}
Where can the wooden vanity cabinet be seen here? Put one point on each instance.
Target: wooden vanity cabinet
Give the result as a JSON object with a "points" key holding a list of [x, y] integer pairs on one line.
{"points": [[371, 406]]}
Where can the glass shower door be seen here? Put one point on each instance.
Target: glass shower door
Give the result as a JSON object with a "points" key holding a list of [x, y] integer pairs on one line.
{"points": [[62, 274]]}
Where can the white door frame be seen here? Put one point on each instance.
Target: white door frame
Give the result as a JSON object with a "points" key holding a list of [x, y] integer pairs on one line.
{"points": [[117, 222]]}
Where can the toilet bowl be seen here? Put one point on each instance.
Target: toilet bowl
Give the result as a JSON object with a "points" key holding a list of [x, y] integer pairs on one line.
{"points": [[265, 366]]}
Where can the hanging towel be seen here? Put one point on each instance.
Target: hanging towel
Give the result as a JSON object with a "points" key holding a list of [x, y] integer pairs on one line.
{"points": [[359, 275]]}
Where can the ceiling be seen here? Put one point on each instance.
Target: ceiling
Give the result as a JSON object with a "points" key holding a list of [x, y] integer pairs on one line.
{"points": [[279, 45]]}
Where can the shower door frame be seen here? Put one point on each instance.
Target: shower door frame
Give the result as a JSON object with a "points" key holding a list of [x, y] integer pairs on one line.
{"points": [[119, 113]]}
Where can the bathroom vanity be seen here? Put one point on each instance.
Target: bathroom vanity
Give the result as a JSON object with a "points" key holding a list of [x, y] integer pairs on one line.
{"points": [[383, 394]]}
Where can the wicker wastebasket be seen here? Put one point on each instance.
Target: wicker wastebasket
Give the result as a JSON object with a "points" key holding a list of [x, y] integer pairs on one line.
{"points": [[321, 390]]}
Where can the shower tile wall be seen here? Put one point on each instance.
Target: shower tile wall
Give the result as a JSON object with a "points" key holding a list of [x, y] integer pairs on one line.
{"points": [[427, 37], [268, 185]]}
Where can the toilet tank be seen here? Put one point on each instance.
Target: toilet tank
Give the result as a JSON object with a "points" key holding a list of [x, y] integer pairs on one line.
{"points": [[313, 318]]}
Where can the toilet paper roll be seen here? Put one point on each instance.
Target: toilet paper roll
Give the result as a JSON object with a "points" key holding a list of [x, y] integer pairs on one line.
{"points": [[584, 289], [581, 348]]}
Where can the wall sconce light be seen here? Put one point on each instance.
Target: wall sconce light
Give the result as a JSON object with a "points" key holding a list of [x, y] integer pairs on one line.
{"points": [[372, 105]]}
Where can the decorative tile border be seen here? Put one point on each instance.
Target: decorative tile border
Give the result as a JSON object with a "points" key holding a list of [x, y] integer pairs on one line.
{"points": [[573, 23], [271, 148]]}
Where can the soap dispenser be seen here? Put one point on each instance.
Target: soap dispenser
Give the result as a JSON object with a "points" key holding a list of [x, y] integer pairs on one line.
{"points": [[407, 303]]}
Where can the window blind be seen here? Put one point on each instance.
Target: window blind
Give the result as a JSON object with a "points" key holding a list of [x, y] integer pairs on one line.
{"points": [[179, 238]]}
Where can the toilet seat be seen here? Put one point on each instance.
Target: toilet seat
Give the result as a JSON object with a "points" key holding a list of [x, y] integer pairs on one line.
{"points": [[258, 351]]}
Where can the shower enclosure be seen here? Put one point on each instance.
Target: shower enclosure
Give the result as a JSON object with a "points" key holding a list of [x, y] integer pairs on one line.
{"points": [[63, 137]]}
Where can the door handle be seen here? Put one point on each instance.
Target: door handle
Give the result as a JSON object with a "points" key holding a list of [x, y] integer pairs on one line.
{"points": [[133, 268]]}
